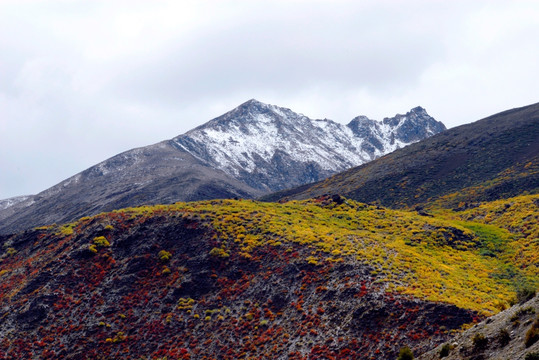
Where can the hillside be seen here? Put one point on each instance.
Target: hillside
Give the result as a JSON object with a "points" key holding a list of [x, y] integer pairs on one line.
{"points": [[493, 158], [317, 279], [251, 150], [507, 335]]}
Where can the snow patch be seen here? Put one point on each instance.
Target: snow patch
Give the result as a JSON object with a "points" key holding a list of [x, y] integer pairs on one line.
{"points": [[7, 203]]}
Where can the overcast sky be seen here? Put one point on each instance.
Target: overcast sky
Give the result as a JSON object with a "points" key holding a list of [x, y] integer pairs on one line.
{"points": [[81, 81]]}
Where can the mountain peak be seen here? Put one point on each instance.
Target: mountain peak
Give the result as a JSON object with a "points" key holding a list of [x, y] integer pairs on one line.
{"points": [[254, 110], [253, 149], [253, 103], [418, 109], [360, 119]]}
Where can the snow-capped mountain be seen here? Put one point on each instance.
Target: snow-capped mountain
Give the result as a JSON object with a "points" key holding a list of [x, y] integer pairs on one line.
{"points": [[272, 148], [250, 151]]}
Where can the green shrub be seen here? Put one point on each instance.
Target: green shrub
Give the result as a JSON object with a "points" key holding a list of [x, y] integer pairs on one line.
{"points": [[532, 356], [445, 350], [219, 252], [525, 293], [527, 310], [405, 354], [165, 271]]}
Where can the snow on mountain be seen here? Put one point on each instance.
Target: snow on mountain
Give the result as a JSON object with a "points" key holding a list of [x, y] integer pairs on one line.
{"points": [[256, 142], [7, 203]]}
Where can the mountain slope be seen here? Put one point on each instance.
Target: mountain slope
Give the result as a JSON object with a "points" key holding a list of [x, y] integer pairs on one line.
{"points": [[159, 173], [251, 150], [497, 157], [325, 278]]}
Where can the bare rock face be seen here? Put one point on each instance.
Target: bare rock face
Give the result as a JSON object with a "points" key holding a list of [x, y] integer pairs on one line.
{"points": [[250, 151]]}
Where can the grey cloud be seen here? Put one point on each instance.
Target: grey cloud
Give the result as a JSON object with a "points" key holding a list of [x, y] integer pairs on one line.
{"points": [[284, 54]]}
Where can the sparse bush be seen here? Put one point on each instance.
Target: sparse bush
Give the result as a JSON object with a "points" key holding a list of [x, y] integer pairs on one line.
{"points": [[479, 341], [513, 301], [164, 256], [405, 354], [445, 350], [500, 305], [526, 310], [67, 230], [219, 252], [120, 336], [101, 241], [532, 356], [532, 335], [503, 337]]}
